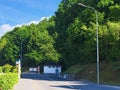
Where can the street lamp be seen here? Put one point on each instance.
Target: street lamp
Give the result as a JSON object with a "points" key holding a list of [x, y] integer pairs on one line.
{"points": [[21, 50], [97, 46]]}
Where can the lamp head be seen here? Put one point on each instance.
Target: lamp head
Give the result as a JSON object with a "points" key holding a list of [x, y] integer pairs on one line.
{"points": [[82, 4]]}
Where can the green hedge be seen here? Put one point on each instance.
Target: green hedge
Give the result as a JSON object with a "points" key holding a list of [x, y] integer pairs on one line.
{"points": [[8, 80], [8, 77], [8, 69], [1, 70]]}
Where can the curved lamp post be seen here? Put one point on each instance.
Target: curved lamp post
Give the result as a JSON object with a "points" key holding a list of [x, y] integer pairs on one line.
{"points": [[97, 46]]}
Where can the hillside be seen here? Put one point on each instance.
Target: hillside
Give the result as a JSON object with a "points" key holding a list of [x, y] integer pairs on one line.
{"points": [[109, 72], [69, 38]]}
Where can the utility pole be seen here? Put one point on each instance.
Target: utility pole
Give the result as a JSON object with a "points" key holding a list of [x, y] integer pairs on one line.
{"points": [[21, 52], [97, 43]]}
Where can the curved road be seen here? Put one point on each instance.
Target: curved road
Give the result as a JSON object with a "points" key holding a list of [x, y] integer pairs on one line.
{"points": [[53, 82]]}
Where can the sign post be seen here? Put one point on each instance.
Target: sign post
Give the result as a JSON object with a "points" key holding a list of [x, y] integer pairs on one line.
{"points": [[18, 63]]}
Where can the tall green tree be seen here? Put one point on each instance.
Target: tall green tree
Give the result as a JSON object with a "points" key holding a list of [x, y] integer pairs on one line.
{"points": [[35, 41], [76, 28]]}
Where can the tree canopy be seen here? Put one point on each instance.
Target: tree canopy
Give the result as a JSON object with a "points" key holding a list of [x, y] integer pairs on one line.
{"points": [[76, 27], [68, 37], [36, 43]]}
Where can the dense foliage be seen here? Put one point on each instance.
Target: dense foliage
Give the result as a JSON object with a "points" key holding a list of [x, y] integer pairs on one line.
{"points": [[1, 70], [76, 27], [8, 77], [68, 37], [9, 69], [34, 41], [8, 80]]}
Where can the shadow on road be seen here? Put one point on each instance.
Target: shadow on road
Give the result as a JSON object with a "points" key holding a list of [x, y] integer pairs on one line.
{"points": [[75, 85], [88, 87], [50, 77]]}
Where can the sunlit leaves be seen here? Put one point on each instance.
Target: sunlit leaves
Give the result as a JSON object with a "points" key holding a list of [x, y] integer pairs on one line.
{"points": [[104, 3], [35, 41], [3, 42], [76, 28], [114, 12]]}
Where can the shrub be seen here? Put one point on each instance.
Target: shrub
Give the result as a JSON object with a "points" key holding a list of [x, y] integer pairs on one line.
{"points": [[7, 68], [7, 81], [116, 66], [1, 70], [9, 77], [14, 69]]}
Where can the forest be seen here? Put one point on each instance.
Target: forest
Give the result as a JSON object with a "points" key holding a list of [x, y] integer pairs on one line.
{"points": [[68, 37]]}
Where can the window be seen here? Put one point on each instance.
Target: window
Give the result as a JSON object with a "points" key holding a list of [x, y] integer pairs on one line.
{"points": [[53, 66], [49, 66]]}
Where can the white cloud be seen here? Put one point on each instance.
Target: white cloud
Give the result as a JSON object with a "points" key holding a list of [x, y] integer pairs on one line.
{"points": [[6, 27], [35, 22], [45, 18]]}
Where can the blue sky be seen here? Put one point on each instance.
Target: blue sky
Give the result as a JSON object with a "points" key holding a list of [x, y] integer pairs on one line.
{"points": [[18, 12]]}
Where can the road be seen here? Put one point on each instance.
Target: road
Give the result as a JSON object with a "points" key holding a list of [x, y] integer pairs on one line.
{"points": [[53, 82]]}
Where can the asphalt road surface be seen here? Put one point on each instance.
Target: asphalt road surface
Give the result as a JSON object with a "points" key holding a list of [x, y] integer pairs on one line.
{"points": [[53, 82]]}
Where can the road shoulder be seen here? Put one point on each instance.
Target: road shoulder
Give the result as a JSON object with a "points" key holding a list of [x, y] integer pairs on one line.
{"points": [[26, 84]]}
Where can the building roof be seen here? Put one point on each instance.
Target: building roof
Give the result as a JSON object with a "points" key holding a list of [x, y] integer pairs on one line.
{"points": [[51, 64]]}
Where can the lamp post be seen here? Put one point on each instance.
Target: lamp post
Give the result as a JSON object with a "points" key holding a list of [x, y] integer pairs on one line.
{"points": [[18, 64], [21, 51], [97, 44]]}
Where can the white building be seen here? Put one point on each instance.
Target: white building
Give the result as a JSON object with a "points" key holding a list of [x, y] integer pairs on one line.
{"points": [[52, 68], [31, 69]]}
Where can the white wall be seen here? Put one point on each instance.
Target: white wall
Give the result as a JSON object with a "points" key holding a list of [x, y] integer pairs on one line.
{"points": [[32, 69], [52, 69]]}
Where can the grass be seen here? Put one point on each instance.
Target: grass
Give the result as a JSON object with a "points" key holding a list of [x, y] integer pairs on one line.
{"points": [[75, 69], [108, 73]]}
